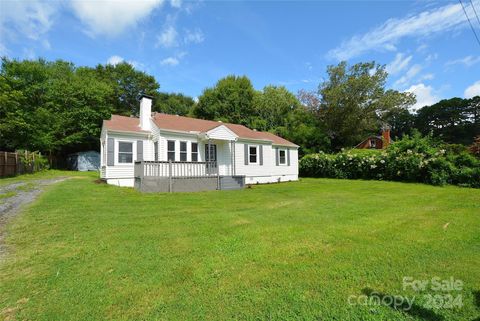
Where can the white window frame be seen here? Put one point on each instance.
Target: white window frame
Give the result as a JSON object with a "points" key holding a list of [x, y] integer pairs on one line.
{"points": [[250, 154], [174, 149], [373, 143], [185, 152], [280, 159], [155, 150], [192, 152], [117, 159]]}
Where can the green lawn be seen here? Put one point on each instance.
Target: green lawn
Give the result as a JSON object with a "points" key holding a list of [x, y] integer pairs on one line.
{"points": [[47, 174], [291, 251]]}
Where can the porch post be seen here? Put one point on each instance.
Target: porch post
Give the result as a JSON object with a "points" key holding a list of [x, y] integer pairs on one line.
{"points": [[232, 156], [207, 158], [170, 175]]}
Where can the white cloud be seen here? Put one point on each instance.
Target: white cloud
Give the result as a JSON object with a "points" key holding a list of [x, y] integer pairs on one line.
{"points": [[429, 76], [411, 73], [468, 61], [386, 36], [422, 47], [398, 64], [473, 90], [170, 61], [173, 60], [176, 3], [168, 37], [195, 36], [31, 19], [425, 95], [113, 60], [111, 17]]}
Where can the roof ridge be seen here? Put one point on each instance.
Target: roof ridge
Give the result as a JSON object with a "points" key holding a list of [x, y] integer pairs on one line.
{"points": [[206, 120]]}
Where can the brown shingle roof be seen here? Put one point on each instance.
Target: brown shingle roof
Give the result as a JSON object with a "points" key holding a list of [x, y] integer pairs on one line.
{"points": [[124, 124], [188, 124], [184, 124]]}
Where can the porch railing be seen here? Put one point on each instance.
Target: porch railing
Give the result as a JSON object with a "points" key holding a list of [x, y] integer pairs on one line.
{"points": [[175, 169]]}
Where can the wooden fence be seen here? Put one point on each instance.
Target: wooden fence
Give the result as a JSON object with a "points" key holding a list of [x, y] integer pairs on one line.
{"points": [[12, 164]]}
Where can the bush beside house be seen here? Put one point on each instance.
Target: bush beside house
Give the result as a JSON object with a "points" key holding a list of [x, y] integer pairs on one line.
{"points": [[412, 159]]}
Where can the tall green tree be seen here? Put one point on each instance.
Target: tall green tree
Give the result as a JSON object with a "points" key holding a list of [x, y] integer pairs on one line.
{"points": [[127, 83], [273, 106], [353, 102], [401, 122], [52, 107], [302, 127], [230, 100], [454, 120], [173, 103]]}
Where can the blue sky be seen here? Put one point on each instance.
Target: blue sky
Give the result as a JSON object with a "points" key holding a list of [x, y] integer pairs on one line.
{"points": [[428, 46]]}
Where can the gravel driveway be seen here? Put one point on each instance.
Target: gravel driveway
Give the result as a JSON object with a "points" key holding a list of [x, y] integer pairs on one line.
{"points": [[16, 195]]}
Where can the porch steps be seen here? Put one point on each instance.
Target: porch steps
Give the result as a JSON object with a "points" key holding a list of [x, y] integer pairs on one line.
{"points": [[231, 182]]}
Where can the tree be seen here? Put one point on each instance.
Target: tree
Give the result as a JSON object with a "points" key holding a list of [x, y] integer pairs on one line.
{"points": [[302, 127], [230, 100], [273, 106], [172, 103], [453, 120], [401, 122], [353, 103], [127, 84], [475, 147], [52, 107]]}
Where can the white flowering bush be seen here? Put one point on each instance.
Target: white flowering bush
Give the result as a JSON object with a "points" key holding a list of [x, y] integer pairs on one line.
{"points": [[412, 159]]}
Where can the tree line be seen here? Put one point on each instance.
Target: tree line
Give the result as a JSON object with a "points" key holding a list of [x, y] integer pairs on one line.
{"points": [[57, 108]]}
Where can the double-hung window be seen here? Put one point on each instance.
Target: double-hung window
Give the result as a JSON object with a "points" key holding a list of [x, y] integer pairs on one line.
{"points": [[171, 150], [253, 154], [282, 157], [125, 152], [183, 151], [155, 148], [194, 152]]}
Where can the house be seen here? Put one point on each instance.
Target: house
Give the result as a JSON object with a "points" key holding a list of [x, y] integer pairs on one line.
{"points": [[162, 152], [376, 142]]}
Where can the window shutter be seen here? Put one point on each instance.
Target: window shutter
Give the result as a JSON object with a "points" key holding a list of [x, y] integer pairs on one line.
{"points": [[246, 153], [260, 151], [276, 156], [139, 150], [110, 152], [288, 156]]}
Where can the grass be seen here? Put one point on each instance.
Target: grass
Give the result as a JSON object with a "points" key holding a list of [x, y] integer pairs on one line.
{"points": [[47, 174], [6, 195], [291, 251]]}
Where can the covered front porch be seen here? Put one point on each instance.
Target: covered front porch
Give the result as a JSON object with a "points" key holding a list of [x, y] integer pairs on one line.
{"points": [[215, 171], [170, 176]]}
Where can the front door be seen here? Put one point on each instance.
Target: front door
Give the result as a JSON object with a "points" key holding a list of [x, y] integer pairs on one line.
{"points": [[212, 155], [211, 158]]}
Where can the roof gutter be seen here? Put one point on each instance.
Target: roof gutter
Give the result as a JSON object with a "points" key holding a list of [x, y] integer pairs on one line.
{"points": [[191, 133], [128, 132]]}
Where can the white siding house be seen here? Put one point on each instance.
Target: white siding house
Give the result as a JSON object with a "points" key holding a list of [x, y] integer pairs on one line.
{"points": [[235, 150]]}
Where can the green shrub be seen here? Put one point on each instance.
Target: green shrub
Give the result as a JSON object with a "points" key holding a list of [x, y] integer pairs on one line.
{"points": [[32, 161], [412, 159]]}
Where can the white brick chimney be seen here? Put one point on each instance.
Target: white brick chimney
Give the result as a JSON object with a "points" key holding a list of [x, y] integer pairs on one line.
{"points": [[145, 111]]}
